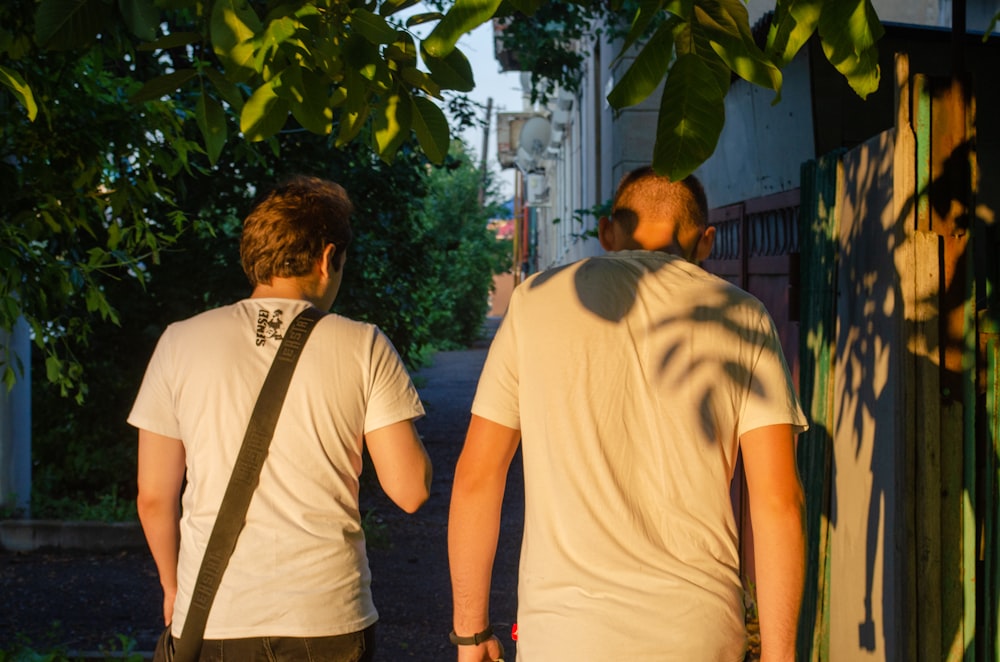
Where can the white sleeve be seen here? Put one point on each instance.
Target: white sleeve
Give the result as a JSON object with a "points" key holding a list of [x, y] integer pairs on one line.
{"points": [[391, 395], [153, 409]]}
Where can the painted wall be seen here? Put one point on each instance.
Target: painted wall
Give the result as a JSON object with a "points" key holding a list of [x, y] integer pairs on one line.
{"points": [[762, 146]]}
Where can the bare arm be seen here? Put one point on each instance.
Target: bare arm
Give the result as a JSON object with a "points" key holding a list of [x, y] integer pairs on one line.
{"points": [[474, 528], [776, 509], [401, 463], [160, 476]]}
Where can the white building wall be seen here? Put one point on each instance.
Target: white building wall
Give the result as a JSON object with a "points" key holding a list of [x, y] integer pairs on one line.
{"points": [[576, 174], [762, 146], [928, 13]]}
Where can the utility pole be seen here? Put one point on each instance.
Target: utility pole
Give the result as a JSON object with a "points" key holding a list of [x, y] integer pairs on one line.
{"points": [[486, 145]]}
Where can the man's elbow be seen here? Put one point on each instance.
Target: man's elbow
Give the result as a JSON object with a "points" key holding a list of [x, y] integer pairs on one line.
{"points": [[412, 503], [410, 500], [150, 506]]}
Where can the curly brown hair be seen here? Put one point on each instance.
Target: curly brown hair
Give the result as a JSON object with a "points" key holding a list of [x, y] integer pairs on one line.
{"points": [[289, 226]]}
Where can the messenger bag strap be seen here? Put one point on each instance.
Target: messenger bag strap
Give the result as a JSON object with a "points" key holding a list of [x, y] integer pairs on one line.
{"points": [[246, 474]]}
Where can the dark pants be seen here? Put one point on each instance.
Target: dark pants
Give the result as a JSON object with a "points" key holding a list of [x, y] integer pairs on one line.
{"points": [[354, 647]]}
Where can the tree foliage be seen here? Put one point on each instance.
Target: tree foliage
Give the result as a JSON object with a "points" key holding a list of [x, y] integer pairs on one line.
{"points": [[112, 111]]}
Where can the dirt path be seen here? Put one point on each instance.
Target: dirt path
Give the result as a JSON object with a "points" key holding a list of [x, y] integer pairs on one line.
{"points": [[80, 601]]}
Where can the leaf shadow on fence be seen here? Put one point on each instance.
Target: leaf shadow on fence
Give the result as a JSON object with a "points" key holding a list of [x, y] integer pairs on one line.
{"points": [[894, 393]]}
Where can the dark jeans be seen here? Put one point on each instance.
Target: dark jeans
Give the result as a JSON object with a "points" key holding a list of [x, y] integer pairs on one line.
{"points": [[354, 647]]}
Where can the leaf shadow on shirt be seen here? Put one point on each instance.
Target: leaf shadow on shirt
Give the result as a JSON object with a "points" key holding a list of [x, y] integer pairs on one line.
{"points": [[718, 315]]}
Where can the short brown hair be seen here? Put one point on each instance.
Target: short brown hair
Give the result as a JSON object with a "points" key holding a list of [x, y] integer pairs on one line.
{"points": [[289, 226], [643, 191]]}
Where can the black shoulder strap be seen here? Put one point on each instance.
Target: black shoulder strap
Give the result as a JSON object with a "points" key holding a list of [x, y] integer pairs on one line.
{"points": [[246, 475]]}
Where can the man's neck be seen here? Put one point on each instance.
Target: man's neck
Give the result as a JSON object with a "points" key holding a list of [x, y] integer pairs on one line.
{"points": [[287, 288]]}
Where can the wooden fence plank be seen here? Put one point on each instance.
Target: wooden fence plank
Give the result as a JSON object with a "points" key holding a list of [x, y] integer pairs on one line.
{"points": [[818, 231], [922, 320], [904, 208]]}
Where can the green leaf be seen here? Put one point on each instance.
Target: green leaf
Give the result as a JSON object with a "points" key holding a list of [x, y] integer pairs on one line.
{"points": [[690, 40], [53, 368], [403, 50], [212, 124], [647, 70], [95, 301], [391, 123], [692, 113], [794, 22], [391, 7], [464, 16], [267, 43], [264, 113], [372, 27], [361, 55], [9, 377], [452, 72], [682, 9], [991, 27], [20, 89], [338, 97], [70, 24], [351, 122], [232, 29], [646, 11], [431, 127], [173, 40], [849, 30], [421, 81], [142, 17], [228, 90], [161, 86], [308, 94], [420, 19], [726, 25]]}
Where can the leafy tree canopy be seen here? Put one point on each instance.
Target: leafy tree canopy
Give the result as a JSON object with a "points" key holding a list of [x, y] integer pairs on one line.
{"points": [[355, 60], [110, 108]]}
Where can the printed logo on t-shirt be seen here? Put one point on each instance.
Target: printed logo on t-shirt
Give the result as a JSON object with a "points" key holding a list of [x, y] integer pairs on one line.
{"points": [[268, 326]]}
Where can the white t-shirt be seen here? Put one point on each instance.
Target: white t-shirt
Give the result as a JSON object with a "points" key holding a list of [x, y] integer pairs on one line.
{"points": [[299, 567], [631, 377]]}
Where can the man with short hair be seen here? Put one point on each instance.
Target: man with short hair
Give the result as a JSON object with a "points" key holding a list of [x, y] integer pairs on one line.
{"points": [[297, 586], [631, 381]]}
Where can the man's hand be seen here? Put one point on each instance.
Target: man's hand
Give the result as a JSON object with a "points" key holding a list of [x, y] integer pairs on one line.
{"points": [[169, 597], [488, 651]]}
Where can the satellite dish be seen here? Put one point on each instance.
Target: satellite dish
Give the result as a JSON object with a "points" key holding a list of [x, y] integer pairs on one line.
{"points": [[534, 136]]}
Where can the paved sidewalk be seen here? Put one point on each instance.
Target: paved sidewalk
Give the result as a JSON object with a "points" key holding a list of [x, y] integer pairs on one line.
{"points": [[81, 600]]}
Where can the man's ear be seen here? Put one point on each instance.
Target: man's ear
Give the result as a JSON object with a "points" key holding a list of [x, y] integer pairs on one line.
{"points": [[326, 261], [605, 233], [704, 246]]}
